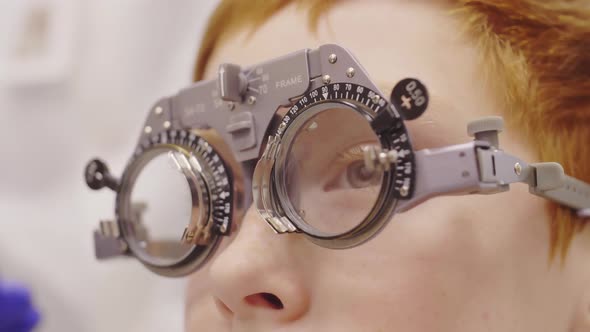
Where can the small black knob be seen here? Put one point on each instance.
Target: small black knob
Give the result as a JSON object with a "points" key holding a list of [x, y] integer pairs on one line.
{"points": [[97, 176]]}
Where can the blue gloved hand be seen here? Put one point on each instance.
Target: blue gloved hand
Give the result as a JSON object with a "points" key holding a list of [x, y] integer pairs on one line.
{"points": [[17, 313]]}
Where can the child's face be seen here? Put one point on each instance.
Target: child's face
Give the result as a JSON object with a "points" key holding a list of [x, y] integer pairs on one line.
{"points": [[465, 263]]}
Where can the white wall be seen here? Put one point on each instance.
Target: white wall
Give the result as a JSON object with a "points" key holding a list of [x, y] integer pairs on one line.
{"points": [[125, 55]]}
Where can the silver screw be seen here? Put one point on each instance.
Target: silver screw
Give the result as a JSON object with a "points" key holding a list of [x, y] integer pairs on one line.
{"points": [[326, 79], [350, 72], [332, 58], [231, 105], [251, 100], [147, 129], [166, 124], [517, 168], [282, 127], [159, 110], [403, 191], [375, 99]]}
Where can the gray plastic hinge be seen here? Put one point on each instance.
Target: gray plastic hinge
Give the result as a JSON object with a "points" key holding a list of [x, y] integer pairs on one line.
{"points": [[486, 129], [497, 166], [548, 176], [451, 170], [552, 183]]}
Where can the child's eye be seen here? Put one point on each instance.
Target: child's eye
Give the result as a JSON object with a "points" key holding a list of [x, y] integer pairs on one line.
{"points": [[358, 176], [348, 171]]}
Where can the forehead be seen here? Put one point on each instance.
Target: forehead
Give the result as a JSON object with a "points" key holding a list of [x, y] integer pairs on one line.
{"points": [[392, 40]]}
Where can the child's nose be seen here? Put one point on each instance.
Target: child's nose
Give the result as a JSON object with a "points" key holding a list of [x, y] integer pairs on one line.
{"points": [[261, 275]]}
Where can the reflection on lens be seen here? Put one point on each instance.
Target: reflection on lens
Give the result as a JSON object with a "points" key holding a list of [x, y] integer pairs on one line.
{"points": [[160, 207], [325, 178]]}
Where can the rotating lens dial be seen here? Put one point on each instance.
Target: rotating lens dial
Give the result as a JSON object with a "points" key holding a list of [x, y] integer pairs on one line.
{"points": [[322, 181], [174, 202], [394, 138]]}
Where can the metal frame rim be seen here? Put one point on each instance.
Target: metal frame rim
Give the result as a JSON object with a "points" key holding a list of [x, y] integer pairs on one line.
{"points": [[375, 219]]}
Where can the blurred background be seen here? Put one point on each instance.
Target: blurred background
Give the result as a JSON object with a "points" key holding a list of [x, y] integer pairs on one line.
{"points": [[76, 81]]}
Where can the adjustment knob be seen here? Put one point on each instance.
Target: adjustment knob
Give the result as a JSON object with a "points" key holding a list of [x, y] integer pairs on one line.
{"points": [[232, 82], [486, 129], [410, 98], [97, 176]]}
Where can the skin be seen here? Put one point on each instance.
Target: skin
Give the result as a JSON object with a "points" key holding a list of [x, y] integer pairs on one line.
{"points": [[462, 263]]}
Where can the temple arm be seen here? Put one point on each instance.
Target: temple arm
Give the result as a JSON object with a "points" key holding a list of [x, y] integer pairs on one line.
{"points": [[478, 168]]}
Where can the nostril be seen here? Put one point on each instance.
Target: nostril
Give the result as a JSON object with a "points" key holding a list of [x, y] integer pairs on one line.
{"points": [[265, 300], [273, 300]]}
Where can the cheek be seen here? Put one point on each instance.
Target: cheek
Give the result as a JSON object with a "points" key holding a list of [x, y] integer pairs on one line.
{"points": [[399, 281], [451, 262], [197, 286], [336, 210]]}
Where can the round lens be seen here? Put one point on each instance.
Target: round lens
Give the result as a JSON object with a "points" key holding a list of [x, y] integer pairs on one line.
{"points": [[326, 183], [159, 208]]}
